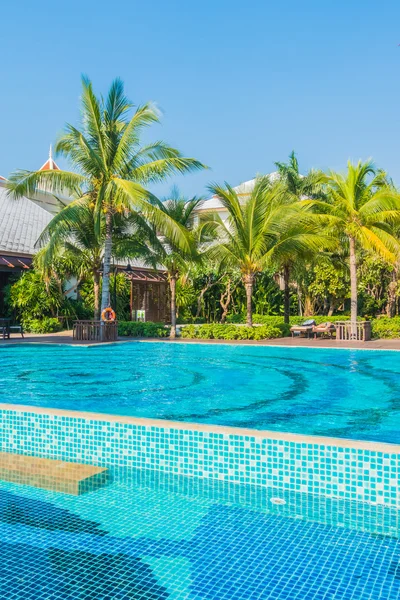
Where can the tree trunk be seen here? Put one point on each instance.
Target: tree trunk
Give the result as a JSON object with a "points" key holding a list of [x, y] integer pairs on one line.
{"points": [[225, 301], [248, 280], [96, 292], [331, 308], [353, 287], [105, 295], [286, 294], [391, 292], [172, 285], [200, 298]]}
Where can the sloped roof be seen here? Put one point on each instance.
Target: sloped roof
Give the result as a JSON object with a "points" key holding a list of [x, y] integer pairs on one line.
{"points": [[50, 164], [21, 223], [242, 190]]}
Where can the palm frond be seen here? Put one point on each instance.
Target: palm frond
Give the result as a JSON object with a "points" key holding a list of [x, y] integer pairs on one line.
{"points": [[28, 183]]}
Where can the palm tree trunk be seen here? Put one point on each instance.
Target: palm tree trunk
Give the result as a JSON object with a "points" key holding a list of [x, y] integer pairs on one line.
{"points": [[248, 280], [96, 292], [105, 294], [286, 294], [172, 285], [353, 287]]}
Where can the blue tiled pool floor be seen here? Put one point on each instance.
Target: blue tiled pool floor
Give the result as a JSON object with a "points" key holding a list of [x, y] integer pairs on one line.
{"points": [[150, 537]]}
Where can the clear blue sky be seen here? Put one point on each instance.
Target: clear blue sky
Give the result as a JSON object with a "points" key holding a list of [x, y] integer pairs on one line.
{"points": [[240, 84]]}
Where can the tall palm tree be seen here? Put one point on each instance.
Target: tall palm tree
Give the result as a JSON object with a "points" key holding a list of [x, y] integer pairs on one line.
{"points": [[297, 188], [263, 230], [172, 252], [111, 166], [365, 207]]}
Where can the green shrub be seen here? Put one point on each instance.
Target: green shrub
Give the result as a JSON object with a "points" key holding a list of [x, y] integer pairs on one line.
{"points": [[45, 325], [276, 321], [140, 329], [230, 332], [386, 327]]}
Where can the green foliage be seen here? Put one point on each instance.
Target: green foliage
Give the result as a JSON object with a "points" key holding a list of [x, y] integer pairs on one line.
{"points": [[32, 298], [139, 329], [374, 277], [45, 325], [386, 328], [230, 332], [329, 284]]}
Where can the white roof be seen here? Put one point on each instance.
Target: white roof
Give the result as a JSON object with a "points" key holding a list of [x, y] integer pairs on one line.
{"points": [[21, 223], [242, 190]]}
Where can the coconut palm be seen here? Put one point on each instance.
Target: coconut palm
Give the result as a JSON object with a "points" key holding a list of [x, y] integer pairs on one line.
{"points": [[297, 188], [169, 251], [365, 207], [111, 166], [72, 237], [264, 230]]}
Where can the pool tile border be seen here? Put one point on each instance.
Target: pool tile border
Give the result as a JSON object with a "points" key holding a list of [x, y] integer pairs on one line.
{"points": [[331, 467]]}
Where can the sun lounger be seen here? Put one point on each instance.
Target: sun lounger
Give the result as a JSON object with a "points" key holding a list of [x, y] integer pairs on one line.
{"points": [[305, 328], [324, 329], [6, 329]]}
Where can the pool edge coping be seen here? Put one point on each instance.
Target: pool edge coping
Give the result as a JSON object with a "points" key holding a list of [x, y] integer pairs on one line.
{"points": [[383, 447]]}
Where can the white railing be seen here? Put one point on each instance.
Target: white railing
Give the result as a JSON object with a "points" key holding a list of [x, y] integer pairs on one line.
{"points": [[353, 330]]}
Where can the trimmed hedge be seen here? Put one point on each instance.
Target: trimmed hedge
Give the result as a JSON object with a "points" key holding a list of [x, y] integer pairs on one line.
{"points": [[386, 328], [140, 329], [230, 332], [278, 320]]}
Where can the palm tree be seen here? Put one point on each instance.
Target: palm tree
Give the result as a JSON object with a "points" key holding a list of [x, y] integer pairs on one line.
{"points": [[264, 230], [72, 237], [111, 166], [298, 187], [175, 254], [364, 206]]}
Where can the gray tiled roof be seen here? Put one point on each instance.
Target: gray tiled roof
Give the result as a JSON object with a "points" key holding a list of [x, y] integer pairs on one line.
{"points": [[21, 223]]}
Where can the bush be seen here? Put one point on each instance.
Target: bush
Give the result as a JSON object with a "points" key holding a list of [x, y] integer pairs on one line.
{"points": [[45, 325], [140, 329], [386, 327], [230, 332], [277, 321]]}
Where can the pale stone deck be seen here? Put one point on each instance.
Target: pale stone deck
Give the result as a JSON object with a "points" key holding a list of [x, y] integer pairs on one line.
{"points": [[65, 337]]}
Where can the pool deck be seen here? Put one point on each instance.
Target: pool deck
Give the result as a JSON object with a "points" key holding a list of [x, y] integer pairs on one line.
{"points": [[65, 337]]}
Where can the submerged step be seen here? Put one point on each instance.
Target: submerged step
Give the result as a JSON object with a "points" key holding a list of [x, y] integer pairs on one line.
{"points": [[49, 474]]}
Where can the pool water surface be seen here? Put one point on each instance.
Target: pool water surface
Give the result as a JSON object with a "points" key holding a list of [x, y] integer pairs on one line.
{"points": [[330, 392]]}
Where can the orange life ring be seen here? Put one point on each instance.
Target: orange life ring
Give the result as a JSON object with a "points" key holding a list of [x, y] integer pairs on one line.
{"points": [[108, 315]]}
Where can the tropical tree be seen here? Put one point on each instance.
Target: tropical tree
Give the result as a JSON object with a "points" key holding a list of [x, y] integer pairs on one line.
{"points": [[264, 230], [72, 238], [111, 168], [364, 207], [175, 254], [298, 187]]}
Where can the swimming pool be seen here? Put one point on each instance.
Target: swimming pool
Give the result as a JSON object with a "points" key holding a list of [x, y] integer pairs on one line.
{"points": [[148, 536], [339, 393]]}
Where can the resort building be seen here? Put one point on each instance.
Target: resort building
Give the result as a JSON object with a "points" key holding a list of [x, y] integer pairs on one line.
{"points": [[243, 190], [23, 220]]}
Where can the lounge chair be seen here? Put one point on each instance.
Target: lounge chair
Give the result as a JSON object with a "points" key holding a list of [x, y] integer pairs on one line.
{"points": [[6, 329], [324, 329], [305, 328]]}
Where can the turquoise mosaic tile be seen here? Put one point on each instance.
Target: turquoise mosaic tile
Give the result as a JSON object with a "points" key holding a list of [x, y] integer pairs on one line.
{"points": [[312, 468]]}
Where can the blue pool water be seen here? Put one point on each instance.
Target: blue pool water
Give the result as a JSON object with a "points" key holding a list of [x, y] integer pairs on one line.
{"points": [[341, 393], [148, 536]]}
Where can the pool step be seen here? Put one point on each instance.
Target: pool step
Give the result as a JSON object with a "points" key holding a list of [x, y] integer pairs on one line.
{"points": [[48, 474]]}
